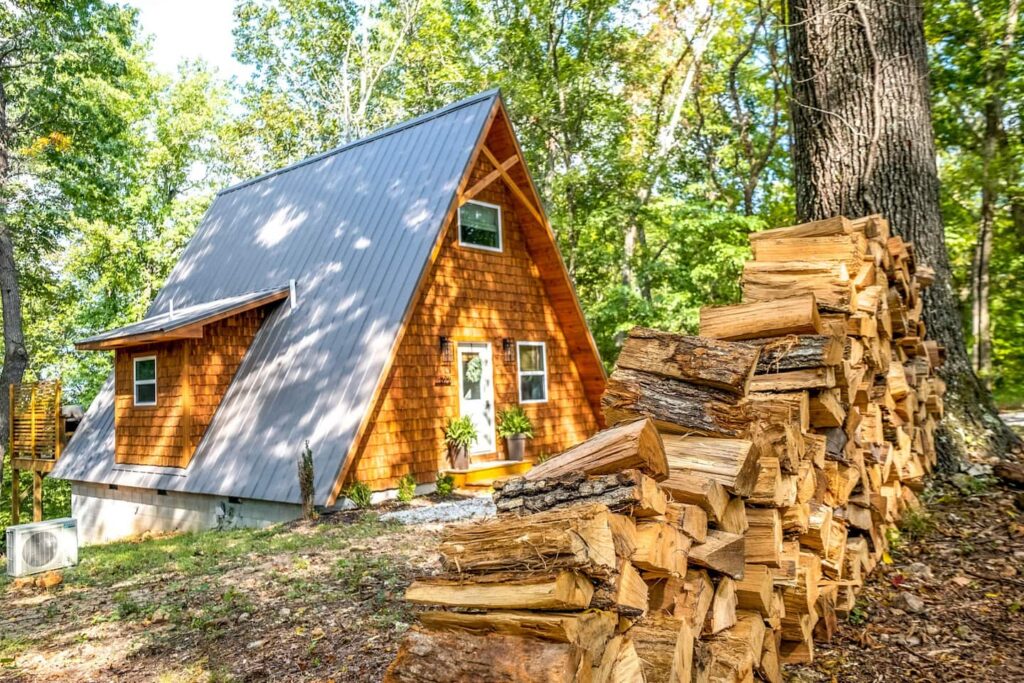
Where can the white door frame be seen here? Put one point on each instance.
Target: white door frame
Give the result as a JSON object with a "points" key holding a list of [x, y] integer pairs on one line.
{"points": [[481, 410]]}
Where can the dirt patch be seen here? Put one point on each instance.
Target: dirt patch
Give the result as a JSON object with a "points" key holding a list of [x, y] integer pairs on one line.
{"points": [[964, 561], [313, 602]]}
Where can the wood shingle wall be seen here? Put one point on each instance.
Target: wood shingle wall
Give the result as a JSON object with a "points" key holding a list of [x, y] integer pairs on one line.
{"points": [[192, 376], [473, 296]]}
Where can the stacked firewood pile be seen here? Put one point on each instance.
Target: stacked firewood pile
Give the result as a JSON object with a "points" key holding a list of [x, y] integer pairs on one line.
{"points": [[727, 519]]}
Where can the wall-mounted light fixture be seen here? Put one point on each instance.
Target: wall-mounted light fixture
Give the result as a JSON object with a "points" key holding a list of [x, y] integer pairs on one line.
{"points": [[444, 348], [508, 348]]}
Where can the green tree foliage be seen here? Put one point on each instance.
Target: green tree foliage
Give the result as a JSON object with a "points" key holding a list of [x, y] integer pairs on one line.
{"points": [[655, 133], [978, 79]]}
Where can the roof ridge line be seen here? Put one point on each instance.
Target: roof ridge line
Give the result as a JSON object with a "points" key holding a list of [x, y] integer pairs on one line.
{"points": [[372, 137]]}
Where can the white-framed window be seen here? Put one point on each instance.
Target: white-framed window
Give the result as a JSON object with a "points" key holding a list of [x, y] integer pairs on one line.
{"points": [[144, 380], [480, 225], [533, 371]]}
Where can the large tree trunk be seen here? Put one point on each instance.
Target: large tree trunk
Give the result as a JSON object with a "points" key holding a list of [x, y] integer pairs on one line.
{"points": [[15, 353], [863, 144]]}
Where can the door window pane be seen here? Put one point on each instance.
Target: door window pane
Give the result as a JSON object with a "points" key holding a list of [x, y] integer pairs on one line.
{"points": [[472, 376]]}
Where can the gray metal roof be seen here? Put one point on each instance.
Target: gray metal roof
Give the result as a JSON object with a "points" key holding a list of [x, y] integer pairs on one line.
{"points": [[175, 319], [355, 227]]}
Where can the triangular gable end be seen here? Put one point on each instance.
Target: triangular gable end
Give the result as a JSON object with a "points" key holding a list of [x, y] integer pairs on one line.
{"points": [[498, 146]]}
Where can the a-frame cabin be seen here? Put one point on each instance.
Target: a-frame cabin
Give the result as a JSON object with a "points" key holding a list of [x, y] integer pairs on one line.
{"points": [[356, 300]]}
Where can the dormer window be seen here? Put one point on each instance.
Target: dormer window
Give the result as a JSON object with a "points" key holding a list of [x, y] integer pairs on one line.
{"points": [[480, 226], [145, 380]]}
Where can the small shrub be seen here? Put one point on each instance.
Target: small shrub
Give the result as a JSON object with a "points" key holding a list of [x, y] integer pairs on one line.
{"points": [[514, 422], [359, 493], [445, 484], [543, 458], [460, 432], [306, 482], [915, 524], [406, 488], [858, 615]]}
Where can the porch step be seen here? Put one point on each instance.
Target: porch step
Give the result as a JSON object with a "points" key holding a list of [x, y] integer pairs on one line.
{"points": [[486, 473]]}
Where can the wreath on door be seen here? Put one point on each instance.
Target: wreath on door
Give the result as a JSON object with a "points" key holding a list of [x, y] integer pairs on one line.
{"points": [[474, 369]]}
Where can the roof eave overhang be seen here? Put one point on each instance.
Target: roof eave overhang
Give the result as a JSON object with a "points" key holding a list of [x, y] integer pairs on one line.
{"points": [[188, 329]]}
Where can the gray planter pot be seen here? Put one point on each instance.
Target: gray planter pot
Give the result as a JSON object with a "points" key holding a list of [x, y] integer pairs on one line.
{"points": [[516, 446], [458, 457]]}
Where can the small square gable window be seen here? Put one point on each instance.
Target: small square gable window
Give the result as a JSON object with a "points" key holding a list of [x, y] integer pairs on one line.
{"points": [[145, 380], [480, 225]]}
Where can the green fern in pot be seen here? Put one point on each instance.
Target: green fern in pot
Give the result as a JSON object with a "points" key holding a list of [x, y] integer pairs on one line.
{"points": [[515, 426], [459, 434]]}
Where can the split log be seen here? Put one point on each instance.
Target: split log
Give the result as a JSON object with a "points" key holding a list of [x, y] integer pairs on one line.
{"points": [[770, 669], [699, 490], [730, 462], [662, 591], [578, 537], [627, 491], [690, 519], [665, 647], [626, 594], [661, 547], [735, 652], [695, 600], [734, 519], [675, 406], [794, 352], [830, 283], [619, 664], [721, 552], [698, 360], [764, 536], [827, 409], [633, 445], [823, 228], [588, 630], [848, 249], [755, 591], [722, 614], [795, 380], [562, 591], [797, 315], [446, 656]]}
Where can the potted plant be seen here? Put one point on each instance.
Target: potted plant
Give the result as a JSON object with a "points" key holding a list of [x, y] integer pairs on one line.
{"points": [[515, 427], [459, 434]]}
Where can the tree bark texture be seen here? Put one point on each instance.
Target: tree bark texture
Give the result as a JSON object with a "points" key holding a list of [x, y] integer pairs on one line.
{"points": [[863, 144], [15, 359]]}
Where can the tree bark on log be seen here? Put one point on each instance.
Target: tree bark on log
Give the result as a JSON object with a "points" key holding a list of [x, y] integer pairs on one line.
{"points": [[15, 359], [723, 365], [863, 144], [675, 406]]}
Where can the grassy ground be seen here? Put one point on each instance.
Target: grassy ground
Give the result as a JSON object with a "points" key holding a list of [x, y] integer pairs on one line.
{"points": [[297, 603]]}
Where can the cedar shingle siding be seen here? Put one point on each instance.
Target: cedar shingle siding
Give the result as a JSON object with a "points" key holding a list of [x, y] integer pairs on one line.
{"points": [[152, 435], [472, 296]]}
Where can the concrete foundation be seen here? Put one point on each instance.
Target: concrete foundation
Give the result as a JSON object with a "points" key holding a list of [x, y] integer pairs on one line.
{"points": [[107, 514]]}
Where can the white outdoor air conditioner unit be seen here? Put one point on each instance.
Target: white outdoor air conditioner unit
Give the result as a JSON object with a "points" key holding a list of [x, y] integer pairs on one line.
{"points": [[41, 546]]}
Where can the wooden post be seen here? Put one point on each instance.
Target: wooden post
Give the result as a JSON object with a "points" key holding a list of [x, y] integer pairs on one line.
{"points": [[58, 427], [15, 496], [32, 421], [10, 422], [37, 496], [186, 404]]}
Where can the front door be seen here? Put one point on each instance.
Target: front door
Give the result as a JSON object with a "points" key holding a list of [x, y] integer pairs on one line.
{"points": [[476, 393]]}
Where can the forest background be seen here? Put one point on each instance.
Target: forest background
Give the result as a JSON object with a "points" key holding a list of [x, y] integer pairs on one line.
{"points": [[658, 135]]}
